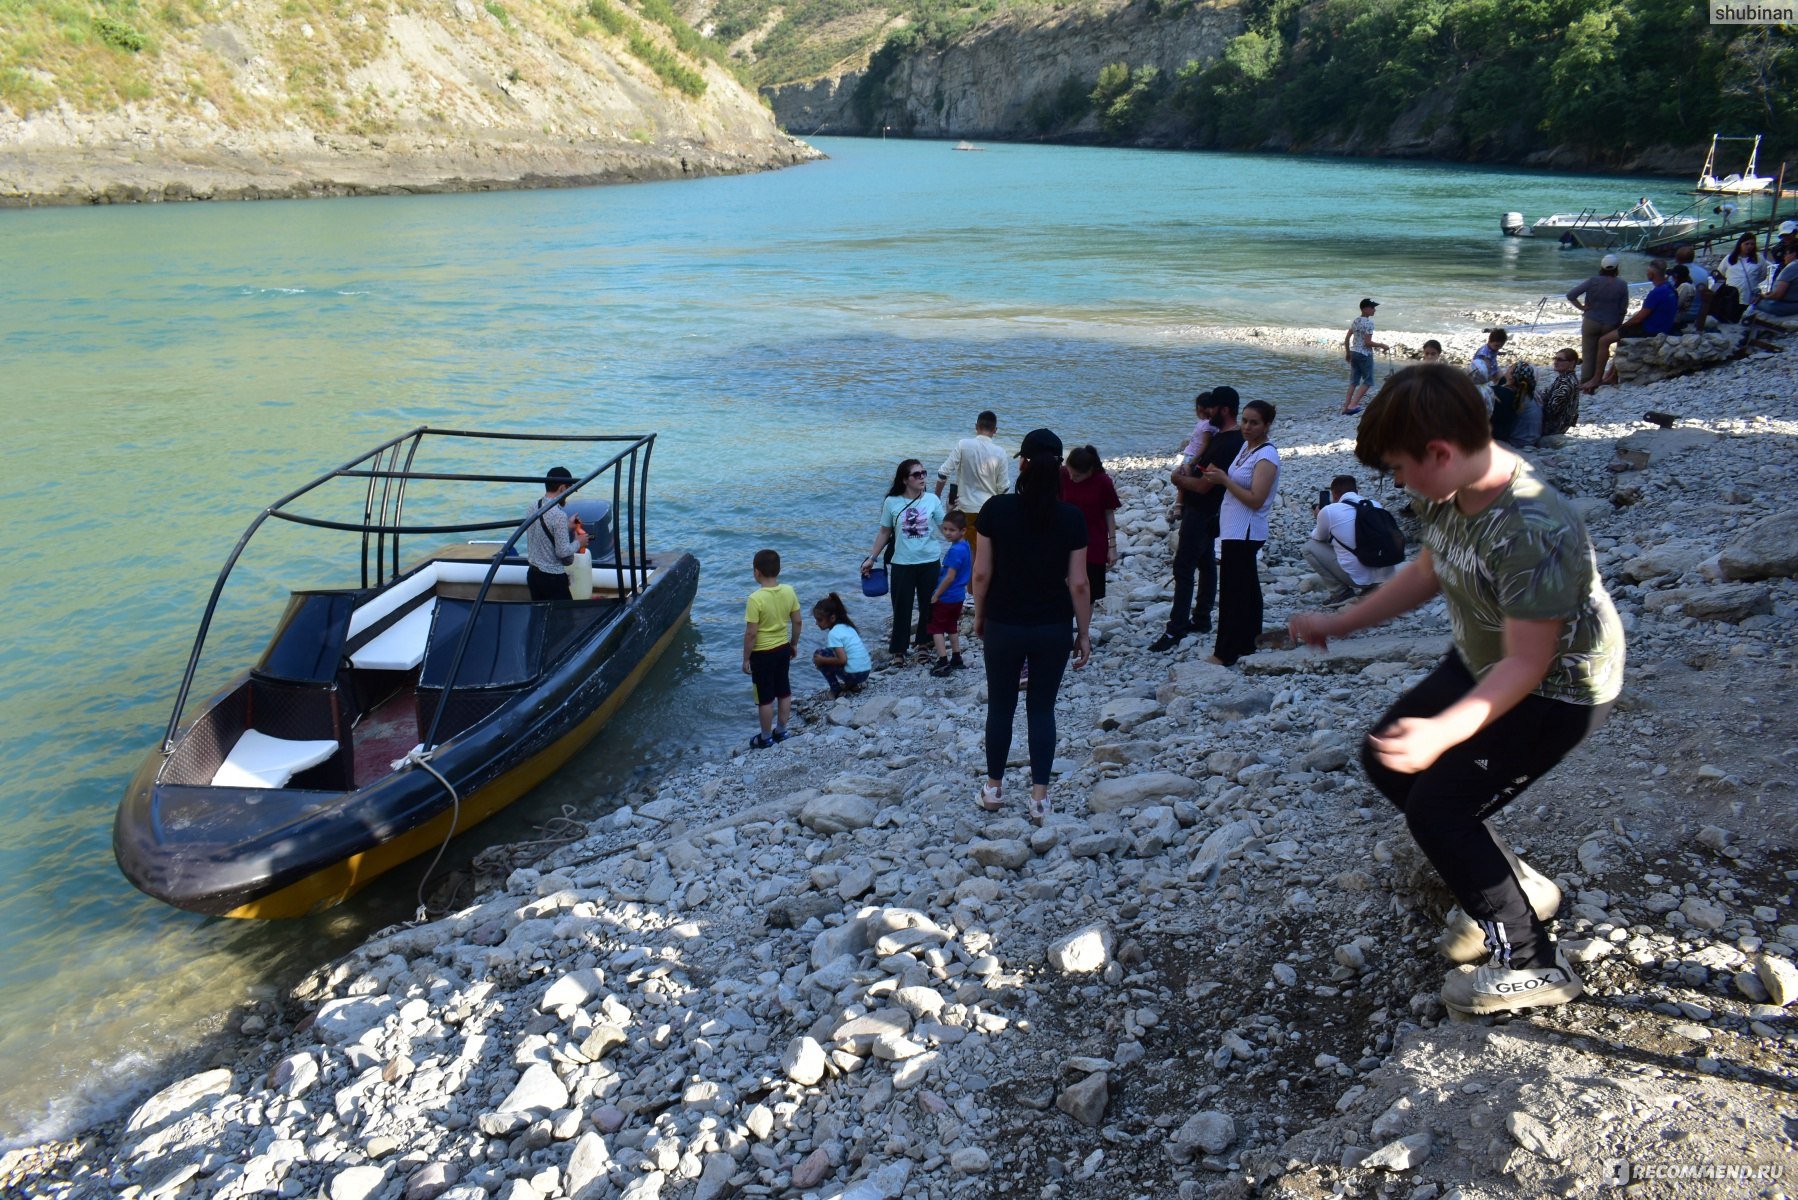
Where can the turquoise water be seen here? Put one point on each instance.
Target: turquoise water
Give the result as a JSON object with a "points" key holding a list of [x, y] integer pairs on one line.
{"points": [[167, 370]]}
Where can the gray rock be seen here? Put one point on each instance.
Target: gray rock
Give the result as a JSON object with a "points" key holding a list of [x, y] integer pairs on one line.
{"points": [[715, 1177], [571, 992], [971, 1160], [1134, 791], [589, 1161], [1083, 950], [804, 1061], [1127, 712], [812, 1170], [1780, 978], [342, 1021], [1209, 1132], [837, 813], [1731, 602], [1767, 549], [1534, 1136], [357, 1183], [860, 1033], [294, 1075], [1085, 1101], [539, 1090], [1217, 848], [181, 1099], [1703, 914], [1400, 1155], [602, 1041], [430, 1181], [1005, 852], [645, 1187], [1243, 702]]}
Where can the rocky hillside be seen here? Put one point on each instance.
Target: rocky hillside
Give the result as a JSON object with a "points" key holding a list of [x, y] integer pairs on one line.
{"points": [[255, 98], [1028, 72]]}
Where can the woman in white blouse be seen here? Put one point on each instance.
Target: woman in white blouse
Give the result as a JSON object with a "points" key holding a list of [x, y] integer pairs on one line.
{"points": [[1250, 486]]}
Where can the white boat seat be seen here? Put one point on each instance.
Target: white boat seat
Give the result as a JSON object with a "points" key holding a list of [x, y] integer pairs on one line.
{"points": [[261, 761], [401, 646]]}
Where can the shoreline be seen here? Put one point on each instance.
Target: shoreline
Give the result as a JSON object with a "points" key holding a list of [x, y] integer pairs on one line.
{"points": [[126, 172], [713, 915]]}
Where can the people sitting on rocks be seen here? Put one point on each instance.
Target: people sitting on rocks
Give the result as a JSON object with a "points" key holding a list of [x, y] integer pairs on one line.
{"points": [[843, 661], [1602, 300], [1330, 550], [1200, 503], [1560, 403], [1431, 351], [1742, 273], [1086, 486], [1484, 368], [1655, 317], [1686, 308], [1702, 287], [1536, 664], [1781, 299], [1251, 484], [1031, 608]]}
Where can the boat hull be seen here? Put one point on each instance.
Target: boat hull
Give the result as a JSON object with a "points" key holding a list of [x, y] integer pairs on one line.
{"points": [[278, 852]]}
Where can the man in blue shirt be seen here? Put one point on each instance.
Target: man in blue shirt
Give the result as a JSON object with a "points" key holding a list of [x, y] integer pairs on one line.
{"points": [[1656, 316]]}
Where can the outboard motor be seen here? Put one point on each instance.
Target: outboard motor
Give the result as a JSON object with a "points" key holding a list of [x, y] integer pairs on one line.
{"points": [[1513, 225]]}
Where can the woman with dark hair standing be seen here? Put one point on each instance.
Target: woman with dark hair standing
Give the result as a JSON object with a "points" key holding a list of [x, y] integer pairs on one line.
{"points": [[1250, 485], [908, 519], [1032, 603], [1086, 486]]}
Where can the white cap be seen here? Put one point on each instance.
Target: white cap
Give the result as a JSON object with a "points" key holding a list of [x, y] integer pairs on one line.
{"points": [[1786, 227], [1608, 263]]}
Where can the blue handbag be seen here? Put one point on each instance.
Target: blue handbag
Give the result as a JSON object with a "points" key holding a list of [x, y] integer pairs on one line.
{"points": [[874, 583]]}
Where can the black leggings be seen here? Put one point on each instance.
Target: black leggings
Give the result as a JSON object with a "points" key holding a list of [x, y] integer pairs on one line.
{"points": [[1008, 647], [1238, 600], [912, 584], [1447, 803]]}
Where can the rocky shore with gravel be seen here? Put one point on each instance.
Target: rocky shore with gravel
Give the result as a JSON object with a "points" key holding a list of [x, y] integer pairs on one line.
{"points": [[820, 971]]}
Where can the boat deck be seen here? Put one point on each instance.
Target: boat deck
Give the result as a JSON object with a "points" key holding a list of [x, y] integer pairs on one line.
{"points": [[387, 732]]}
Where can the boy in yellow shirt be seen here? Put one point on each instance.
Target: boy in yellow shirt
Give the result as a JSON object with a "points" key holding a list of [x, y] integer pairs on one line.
{"points": [[768, 648]]}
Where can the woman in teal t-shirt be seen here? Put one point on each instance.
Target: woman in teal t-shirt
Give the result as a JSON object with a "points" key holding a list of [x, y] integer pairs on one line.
{"points": [[908, 519]]}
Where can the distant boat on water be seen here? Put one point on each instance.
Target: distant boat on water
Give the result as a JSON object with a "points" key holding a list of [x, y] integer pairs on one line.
{"points": [[970, 146], [1747, 183]]}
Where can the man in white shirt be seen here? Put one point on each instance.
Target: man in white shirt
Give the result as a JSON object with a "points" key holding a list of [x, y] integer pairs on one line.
{"points": [[978, 470], [1331, 549]]}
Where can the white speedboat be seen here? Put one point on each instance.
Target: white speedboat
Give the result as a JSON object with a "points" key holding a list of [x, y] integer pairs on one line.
{"points": [[1640, 224], [1745, 184]]}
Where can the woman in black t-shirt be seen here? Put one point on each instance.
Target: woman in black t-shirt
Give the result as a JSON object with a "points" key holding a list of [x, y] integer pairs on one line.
{"points": [[1032, 602]]}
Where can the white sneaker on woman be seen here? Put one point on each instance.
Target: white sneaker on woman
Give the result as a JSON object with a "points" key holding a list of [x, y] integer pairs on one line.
{"points": [[1495, 988]]}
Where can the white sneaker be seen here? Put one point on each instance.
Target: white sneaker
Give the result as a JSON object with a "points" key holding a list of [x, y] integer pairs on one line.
{"points": [[1493, 988], [1465, 942]]}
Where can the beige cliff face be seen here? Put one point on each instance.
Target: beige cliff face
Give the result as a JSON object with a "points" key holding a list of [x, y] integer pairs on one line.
{"points": [[985, 83], [444, 96]]}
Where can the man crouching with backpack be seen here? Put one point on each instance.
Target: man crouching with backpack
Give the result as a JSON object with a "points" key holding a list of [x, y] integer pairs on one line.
{"points": [[1537, 663], [1335, 550]]}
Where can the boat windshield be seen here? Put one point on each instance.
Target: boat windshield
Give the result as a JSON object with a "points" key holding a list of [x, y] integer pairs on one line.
{"points": [[379, 481]]}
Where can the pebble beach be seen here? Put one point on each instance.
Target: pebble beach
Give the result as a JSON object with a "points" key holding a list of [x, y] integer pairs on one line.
{"points": [[820, 971]]}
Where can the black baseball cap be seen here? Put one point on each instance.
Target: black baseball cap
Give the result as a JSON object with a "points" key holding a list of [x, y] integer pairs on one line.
{"points": [[1039, 442], [557, 477], [1366, 303]]}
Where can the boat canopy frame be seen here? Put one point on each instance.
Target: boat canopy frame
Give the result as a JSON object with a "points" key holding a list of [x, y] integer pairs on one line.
{"points": [[388, 469]]}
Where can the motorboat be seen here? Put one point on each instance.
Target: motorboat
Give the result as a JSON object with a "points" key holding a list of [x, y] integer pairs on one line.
{"points": [[1747, 183], [1627, 229], [970, 146], [412, 699]]}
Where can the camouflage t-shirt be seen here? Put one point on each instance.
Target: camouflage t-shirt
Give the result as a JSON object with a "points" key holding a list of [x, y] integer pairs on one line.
{"points": [[1527, 556]]}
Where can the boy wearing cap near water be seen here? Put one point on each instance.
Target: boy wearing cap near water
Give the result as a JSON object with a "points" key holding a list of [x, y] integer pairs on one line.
{"points": [[1537, 662], [552, 540], [769, 648], [1357, 350]]}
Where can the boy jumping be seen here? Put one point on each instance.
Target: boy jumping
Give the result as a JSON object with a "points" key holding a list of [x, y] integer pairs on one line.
{"points": [[768, 650], [1536, 665]]}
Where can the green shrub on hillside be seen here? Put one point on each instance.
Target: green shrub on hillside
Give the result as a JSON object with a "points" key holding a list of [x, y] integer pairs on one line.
{"points": [[1060, 107], [1124, 99], [118, 35], [608, 17], [665, 64]]}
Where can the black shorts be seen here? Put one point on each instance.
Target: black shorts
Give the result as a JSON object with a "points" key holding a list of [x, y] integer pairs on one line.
{"points": [[768, 672], [1095, 576]]}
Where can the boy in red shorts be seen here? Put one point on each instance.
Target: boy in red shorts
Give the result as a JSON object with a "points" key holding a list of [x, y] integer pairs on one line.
{"points": [[951, 592]]}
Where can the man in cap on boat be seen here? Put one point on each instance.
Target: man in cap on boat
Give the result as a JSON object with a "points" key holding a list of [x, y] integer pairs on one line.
{"points": [[552, 540], [1602, 300]]}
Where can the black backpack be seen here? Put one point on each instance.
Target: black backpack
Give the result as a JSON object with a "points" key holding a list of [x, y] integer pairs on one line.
{"points": [[1379, 542]]}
